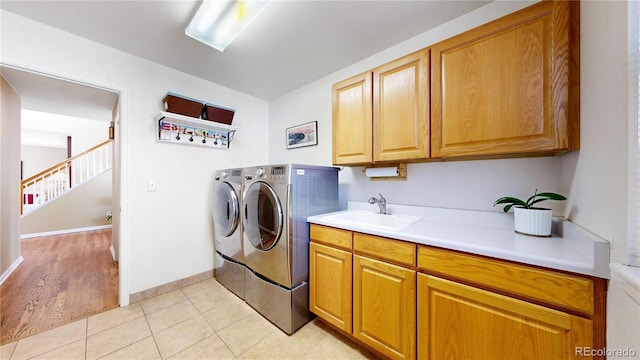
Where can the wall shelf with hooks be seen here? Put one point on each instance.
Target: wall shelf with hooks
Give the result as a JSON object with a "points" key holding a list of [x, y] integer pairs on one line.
{"points": [[180, 129]]}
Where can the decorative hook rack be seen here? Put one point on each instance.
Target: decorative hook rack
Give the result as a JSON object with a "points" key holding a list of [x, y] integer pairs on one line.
{"points": [[180, 129]]}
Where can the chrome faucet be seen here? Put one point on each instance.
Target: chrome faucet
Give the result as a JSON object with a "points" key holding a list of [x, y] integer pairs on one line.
{"points": [[382, 203]]}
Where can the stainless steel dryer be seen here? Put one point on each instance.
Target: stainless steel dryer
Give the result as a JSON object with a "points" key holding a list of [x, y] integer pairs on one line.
{"points": [[227, 225], [277, 200]]}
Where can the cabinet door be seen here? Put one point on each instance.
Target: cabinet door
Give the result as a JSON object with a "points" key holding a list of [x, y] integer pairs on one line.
{"points": [[508, 87], [400, 109], [457, 321], [352, 121], [330, 285], [384, 307]]}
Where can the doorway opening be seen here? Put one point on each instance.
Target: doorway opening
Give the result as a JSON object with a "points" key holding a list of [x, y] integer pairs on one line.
{"points": [[61, 97]]}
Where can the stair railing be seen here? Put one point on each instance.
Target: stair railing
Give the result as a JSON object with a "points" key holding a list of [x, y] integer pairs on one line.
{"points": [[49, 184]]}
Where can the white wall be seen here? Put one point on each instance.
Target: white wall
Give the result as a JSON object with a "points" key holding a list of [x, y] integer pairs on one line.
{"points": [[38, 158], [593, 178], [83, 206], [85, 133], [10, 104], [597, 174], [166, 234]]}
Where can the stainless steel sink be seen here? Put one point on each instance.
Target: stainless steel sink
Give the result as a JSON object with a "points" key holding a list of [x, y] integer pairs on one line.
{"points": [[371, 219]]}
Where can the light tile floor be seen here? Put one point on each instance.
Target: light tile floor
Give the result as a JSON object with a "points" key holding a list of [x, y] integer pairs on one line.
{"points": [[199, 321]]}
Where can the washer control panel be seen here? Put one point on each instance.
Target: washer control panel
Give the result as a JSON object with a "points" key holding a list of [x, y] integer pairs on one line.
{"points": [[233, 175]]}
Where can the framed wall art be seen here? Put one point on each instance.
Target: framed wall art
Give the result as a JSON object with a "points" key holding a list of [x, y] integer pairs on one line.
{"points": [[302, 135]]}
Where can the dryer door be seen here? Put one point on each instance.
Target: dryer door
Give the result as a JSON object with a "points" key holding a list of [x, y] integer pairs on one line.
{"points": [[263, 217], [226, 209]]}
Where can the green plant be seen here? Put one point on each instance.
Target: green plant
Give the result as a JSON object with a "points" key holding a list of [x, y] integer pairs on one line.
{"points": [[536, 198]]}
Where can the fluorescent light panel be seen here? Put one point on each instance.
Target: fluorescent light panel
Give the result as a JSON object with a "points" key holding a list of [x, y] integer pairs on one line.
{"points": [[218, 22]]}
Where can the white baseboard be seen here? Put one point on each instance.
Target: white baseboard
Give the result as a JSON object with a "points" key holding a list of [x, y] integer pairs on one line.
{"points": [[11, 268], [66, 231], [113, 252]]}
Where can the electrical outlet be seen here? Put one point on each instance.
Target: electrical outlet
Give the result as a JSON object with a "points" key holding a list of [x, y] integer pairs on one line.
{"points": [[151, 186]]}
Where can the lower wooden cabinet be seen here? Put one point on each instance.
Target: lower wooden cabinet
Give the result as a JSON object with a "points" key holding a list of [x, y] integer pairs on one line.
{"points": [[406, 301], [381, 293], [457, 321], [384, 307], [330, 291]]}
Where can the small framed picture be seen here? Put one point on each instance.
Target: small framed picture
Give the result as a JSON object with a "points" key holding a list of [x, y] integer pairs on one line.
{"points": [[302, 135]]}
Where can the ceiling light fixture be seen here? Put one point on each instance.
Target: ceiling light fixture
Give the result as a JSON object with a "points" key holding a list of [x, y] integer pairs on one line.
{"points": [[218, 22]]}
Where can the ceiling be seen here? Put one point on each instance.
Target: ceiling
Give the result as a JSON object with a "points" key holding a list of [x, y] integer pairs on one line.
{"points": [[291, 44], [52, 95]]}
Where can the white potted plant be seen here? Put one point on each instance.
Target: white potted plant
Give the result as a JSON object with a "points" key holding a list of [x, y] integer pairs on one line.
{"points": [[528, 219]]}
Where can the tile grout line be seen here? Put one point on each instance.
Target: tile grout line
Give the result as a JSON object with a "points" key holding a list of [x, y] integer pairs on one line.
{"points": [[114, 351], [128, 345], [111, 328], [155, 342], [164, 307], [215, 332], [52, 349], [144, 314], [13, 350], [181, 322], [86, 340]]}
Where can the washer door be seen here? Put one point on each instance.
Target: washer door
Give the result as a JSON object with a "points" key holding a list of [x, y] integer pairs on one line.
{"points": [[226, 209], [263, 217]]}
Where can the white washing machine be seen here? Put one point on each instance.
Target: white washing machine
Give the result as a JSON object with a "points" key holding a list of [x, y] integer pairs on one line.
{"points": [[227, 223], [277, 200]]}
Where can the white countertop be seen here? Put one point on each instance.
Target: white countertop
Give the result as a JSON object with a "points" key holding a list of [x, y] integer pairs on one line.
{"points": [[570, 248]]}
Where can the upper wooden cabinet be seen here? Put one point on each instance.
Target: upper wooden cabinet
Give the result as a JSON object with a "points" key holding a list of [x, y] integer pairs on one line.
{"points": [[352, 121], [401, 108], [382, 115], [509, 87]]}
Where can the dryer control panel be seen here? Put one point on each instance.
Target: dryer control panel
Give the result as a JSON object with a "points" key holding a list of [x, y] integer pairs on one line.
{"points": [[275, 173], [278, 173]]}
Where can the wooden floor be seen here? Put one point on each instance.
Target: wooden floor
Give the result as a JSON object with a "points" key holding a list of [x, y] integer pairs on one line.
{"points": [[63, 278]]}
